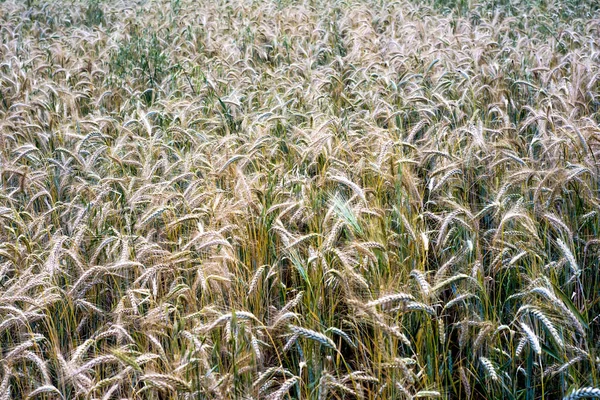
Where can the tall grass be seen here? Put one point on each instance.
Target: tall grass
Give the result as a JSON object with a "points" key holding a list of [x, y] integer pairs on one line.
{"points": [[299, 200]]}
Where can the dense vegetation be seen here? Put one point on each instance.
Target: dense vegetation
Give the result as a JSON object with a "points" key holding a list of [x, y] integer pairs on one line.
{"points": [[242, 199]]}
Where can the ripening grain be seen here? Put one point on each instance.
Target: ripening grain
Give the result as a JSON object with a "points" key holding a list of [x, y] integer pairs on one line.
{"points": [[241, 199]]}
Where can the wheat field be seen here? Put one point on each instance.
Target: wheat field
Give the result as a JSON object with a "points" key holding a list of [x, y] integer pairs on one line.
{"points": [[313, 199]]}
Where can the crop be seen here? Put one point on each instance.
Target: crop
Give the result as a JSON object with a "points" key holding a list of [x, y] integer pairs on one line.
{"points": [[347, 199]]}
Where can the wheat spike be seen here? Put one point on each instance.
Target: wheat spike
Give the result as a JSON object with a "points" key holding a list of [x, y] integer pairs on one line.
{"points": [[583, 393], [310, 334]]}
